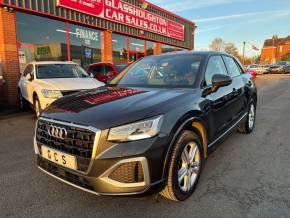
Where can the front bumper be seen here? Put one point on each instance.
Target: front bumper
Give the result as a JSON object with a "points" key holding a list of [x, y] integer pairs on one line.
{"points": [[115, 169]]}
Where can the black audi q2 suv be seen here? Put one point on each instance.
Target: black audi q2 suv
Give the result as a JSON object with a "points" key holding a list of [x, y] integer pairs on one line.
{"points": [[150, 129]]}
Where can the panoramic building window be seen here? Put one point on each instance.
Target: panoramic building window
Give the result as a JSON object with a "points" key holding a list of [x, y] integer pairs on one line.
{"points": [[119, 48], [40, 39], [136, 49], [169, 48], [150, 47], [85, 45], [136, 45]]}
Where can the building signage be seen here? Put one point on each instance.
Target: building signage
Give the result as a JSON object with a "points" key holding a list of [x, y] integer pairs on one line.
{"points": [[43, 50], [127, 14]]}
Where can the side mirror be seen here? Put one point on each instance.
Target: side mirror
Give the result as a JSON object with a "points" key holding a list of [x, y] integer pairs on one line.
{"points": [[29, 77], [220, 80]]}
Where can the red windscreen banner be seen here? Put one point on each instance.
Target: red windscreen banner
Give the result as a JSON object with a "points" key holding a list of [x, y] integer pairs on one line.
{"points": [[127, 14]]}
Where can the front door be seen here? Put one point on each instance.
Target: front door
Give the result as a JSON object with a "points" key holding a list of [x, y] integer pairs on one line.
{"points": [[219, 110]]}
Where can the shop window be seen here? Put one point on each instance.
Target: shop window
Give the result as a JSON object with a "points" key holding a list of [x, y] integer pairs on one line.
{"points": [[150, 47], [85, 45], [119, 48], [136, 45], [40, 39], [169, 48]]}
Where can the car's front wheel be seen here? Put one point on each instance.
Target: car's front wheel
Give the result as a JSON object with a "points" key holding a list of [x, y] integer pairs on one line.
{"points": [[37, 106], [185, 167]]}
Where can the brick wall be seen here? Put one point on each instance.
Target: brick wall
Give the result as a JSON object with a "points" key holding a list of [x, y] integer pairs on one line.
{"points": [[107, 47], [9, 56], [268, 55], [282, 50]]}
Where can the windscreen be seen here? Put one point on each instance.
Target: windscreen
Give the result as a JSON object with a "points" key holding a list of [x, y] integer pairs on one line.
{"points": [[161, 71], [50, 71], [121, 67]]}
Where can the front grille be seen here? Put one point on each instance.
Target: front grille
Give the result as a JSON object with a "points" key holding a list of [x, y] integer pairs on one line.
{"points": [[67, 176], [79, 142], [131, 172]]}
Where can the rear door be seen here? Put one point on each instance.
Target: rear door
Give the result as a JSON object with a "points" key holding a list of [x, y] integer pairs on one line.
{"points": [[238, 97]]}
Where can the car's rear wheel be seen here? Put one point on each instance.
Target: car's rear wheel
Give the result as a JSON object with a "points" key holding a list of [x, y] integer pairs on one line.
{"points": [[185, 167], [37, 106], [249, 125], [22, 102]]}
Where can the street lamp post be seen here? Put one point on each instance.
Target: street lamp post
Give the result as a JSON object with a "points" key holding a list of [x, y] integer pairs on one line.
{"points": [[244, 48]]}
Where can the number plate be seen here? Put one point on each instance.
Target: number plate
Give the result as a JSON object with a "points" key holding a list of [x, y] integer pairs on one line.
{"points": [[58, 157]]}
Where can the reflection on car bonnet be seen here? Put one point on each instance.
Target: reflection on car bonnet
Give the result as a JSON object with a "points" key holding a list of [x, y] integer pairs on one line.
{"points": [[86, 99]]}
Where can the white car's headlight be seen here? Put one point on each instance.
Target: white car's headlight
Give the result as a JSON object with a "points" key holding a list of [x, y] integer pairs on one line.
{"points": [[51, 93], [136, 131]]}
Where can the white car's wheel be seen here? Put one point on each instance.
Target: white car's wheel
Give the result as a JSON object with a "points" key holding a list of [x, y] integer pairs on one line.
{"points": [[37, 106], [22, 102]]}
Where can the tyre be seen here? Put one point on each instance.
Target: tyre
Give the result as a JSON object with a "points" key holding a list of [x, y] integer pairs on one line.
{"points": [[249, 125], [184, 167], [37, 106], [22, 103]]}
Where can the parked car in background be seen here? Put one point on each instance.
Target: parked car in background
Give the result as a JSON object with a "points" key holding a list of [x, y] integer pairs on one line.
{"points": [[280, 67], [259, 69], [150, 129], [41, 83], [266, 68], [105, 71], [252, 72]]}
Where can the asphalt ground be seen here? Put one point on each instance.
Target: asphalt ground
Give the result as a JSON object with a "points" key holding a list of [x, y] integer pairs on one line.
{"points": [[247, 176]]}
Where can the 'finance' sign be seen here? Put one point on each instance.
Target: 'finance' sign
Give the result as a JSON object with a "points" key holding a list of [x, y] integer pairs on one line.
{"points": [[127, 14]]}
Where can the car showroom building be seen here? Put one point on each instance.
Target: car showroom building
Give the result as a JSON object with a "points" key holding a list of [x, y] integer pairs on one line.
{"points": [[83, 31]]}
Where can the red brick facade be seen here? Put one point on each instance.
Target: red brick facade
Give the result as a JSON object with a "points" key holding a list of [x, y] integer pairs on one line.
{"points": [[9, 56], [274, 50]]}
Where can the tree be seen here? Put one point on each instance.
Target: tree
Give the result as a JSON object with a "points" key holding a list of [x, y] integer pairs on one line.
{"points": [[217, 45], [231, 49]]}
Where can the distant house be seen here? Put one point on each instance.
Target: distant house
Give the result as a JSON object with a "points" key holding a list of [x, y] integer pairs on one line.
{"points": [[275, 49]]}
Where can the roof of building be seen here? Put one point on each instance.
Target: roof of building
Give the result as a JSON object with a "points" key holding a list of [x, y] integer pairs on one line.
{"points": [[276, 41]]}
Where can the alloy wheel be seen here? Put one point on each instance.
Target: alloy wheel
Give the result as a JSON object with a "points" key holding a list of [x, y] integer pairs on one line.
{"points": [[189, 166], [252, 116]]}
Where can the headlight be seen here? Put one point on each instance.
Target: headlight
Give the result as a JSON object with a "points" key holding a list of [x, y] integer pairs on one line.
{"points": [[51, 93], [136, 131]]}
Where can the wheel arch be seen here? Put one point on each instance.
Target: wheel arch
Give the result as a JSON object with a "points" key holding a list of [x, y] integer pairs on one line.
{"points": [[34, 96], [192, 122]]}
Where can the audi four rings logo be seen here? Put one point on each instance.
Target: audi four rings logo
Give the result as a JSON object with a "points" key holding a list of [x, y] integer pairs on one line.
{"points": [[57, 132]]}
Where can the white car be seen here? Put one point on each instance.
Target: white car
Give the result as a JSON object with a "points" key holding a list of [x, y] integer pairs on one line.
{"points": [[258, 68], [41, 83]]}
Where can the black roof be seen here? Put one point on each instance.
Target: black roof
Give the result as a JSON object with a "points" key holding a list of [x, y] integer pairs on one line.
{"points": [[203, 53]]}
